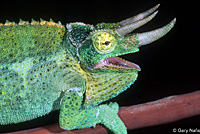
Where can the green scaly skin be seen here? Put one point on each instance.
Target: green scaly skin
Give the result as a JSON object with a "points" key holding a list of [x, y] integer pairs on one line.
{"points": [[40, 70], [45, 67]]}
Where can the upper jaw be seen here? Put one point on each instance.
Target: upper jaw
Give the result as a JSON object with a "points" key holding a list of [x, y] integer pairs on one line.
{"points": [[117, 62]]}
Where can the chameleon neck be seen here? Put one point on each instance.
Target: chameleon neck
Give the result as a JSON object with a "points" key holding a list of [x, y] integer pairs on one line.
{"points": [[71, 49]]}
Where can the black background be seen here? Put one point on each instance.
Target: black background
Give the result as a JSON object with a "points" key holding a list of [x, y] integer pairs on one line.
{"points": [[170, 66]]}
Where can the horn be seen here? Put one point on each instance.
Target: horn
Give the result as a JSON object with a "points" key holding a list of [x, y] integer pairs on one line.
{"points": [[139, 16], [148, 37], [130, 27]]}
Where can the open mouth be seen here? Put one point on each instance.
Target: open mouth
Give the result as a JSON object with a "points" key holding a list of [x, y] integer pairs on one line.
{"points": [[116, 62]]}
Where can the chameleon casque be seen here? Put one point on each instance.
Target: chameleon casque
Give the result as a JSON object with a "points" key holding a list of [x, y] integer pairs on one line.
{"points": [[45, 66]]}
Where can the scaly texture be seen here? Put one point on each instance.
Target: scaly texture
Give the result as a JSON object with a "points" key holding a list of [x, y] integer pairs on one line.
{"points": [[45, 67], [100, 90], [32, 70]]}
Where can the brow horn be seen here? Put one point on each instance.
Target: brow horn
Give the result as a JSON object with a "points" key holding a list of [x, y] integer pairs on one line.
{"points": [[132, 26], [148, 37], [139, 16]]}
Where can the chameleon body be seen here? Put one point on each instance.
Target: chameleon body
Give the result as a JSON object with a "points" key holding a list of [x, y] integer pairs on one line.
{"points": [[45, 66]]}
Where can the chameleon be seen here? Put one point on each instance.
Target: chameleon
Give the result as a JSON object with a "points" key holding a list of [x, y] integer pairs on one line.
{"points": [[46, 66]]}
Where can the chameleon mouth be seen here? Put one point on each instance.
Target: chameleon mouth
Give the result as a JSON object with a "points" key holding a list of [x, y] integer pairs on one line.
{"points": [[117, 62]]}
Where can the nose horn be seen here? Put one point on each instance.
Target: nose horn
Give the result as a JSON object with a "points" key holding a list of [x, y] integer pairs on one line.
{"points": [[148, 37]]}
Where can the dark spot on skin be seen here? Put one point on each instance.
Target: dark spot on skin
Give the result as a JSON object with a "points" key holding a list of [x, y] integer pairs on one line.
{"points": [[10, 55], [22, 87], [189, 103], [66, 106]]}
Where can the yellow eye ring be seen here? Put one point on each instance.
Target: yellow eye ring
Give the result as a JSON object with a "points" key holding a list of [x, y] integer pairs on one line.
{"points": [[104, 42]]}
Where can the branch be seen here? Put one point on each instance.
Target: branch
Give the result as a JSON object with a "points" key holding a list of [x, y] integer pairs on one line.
{"points": [[162, 111]]}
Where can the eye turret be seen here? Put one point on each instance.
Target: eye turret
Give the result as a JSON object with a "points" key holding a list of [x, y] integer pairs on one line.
{"points": [[104, 42]]}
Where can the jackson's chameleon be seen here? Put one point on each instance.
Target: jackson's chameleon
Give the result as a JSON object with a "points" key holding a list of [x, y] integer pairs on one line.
{"points": [[45, 66]]}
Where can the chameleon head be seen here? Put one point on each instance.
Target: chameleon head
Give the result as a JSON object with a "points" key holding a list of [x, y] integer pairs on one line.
{"points": [[99, 46], [98, 49]]}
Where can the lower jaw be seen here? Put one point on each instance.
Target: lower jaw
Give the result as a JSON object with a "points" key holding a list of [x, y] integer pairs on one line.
{"points": [[116, 62]]}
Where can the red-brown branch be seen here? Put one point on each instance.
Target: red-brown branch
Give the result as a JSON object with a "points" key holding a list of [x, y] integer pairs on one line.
{"points": [[165, 110]]}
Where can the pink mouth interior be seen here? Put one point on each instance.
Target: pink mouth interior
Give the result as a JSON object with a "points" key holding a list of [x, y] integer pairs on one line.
{"points": [[116, 62]]}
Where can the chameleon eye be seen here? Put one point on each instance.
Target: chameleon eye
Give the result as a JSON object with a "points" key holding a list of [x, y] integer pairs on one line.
{"points": [[104, 42]]}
